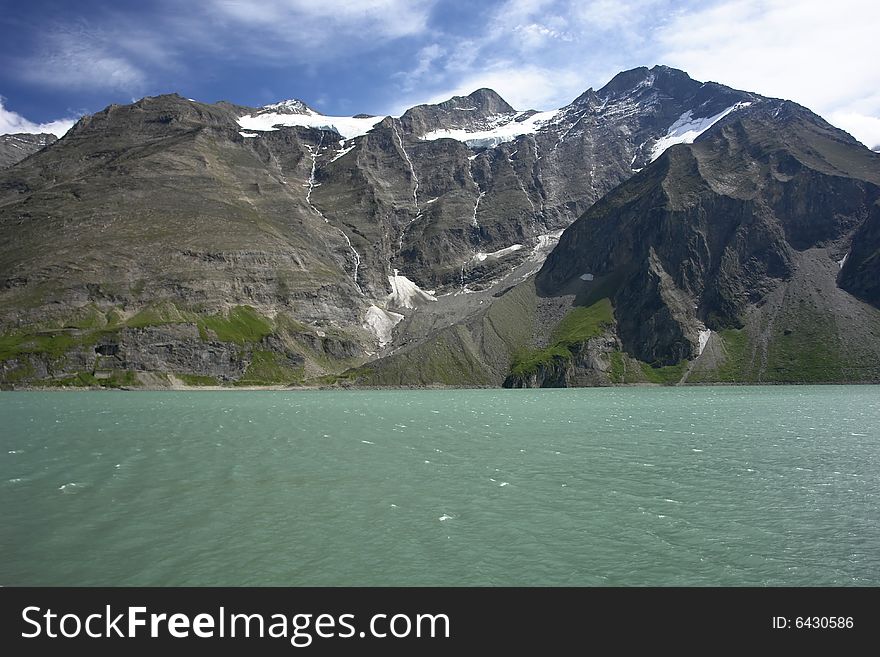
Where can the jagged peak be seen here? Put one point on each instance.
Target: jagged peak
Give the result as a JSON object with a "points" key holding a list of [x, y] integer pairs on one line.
{"points": [[490, 99], [290, 106], [589, 96], [173, 97], [482, 101], [662, 69], [660, 76], [626, 81]]}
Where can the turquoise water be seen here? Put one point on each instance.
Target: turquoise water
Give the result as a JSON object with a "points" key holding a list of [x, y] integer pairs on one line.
{"points": [[622, 486]]}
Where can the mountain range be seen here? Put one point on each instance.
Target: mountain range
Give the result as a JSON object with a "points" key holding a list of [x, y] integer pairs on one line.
{"points": [[657, 230]]}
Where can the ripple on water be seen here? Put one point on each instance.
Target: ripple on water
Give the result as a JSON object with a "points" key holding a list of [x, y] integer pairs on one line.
{"points": [[223, 489]]}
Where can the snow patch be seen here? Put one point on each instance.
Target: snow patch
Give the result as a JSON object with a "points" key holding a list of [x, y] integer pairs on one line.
{"points": [[477, 207], [480, 256], [686, 129], [270, 117], [248, 134], [381, 322], [502, 129], [586, 277], [842, 261], [406, 294], [705, 334], [548, 240], [292, 106], [342, 152]]}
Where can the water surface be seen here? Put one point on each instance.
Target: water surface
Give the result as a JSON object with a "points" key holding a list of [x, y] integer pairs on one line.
{"points": [[621, 486]]}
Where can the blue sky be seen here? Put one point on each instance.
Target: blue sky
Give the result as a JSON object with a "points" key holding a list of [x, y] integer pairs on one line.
{"points": [[61, 59]]}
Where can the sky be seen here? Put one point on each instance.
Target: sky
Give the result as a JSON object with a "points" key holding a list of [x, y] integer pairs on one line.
{"points": [[60, 59]]}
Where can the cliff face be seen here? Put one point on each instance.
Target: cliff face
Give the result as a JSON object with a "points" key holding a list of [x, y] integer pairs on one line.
{"points": [[316, 243]]}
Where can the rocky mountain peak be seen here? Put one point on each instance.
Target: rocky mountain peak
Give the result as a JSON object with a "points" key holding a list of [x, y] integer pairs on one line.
{"points": [[488, 100], [587, 98], [667, 80], [626, 81], [459, 112], [292, 106], [156, 116]]}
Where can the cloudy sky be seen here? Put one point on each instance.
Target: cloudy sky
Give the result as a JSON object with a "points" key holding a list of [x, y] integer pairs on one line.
{"points": [[59, 60]]}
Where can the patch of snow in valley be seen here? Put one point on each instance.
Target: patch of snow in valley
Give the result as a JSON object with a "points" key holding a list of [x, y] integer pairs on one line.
{"points": [[406, 294], [842, 261], [342, 152], [248, 134], [686, 129], [345, 126], [586, 277], [480, 256], [547, 241], [503, 129], [381, 322], [705, 334]]}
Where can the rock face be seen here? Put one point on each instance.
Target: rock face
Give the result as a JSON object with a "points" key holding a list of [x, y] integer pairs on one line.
{"points": [[331, 242], [542, 171], [15, 147], [745, 228], [860, 266]]}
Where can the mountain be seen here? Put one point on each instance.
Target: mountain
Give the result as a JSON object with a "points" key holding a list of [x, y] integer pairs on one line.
{"points": [[15, 147], [175, 241], [751, 254]]}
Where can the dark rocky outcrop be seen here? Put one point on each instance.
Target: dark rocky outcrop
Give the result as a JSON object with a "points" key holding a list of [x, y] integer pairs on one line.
{"points": [[705, 236]]}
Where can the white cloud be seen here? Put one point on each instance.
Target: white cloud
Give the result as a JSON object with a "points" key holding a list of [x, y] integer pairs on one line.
{"points": [[821, 55], [116, 52], [864, 128], [540, 53], [535, 35], [524, 87], [617, 16], [12, 122], [83, 59], [425, 59], [331, 23]]}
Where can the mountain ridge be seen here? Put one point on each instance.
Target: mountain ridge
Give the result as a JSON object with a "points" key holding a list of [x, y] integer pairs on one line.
{"points": [[167, 238]]}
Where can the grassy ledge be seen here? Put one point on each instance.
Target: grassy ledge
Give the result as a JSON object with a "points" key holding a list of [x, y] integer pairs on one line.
{"points": [[578, 326]]}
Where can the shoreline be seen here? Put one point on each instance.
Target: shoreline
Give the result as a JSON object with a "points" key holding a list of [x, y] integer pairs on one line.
{"points": [[308, 388]]}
